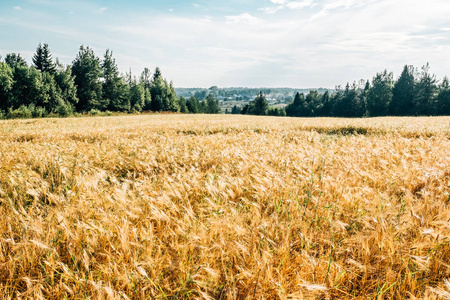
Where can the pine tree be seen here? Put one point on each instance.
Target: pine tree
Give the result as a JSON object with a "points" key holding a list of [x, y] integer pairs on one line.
{"points": [[298, 108], [145, 78], [87, 72], [156, 90], [259, 106], [192, 105], [182, 105], [114, 88], [137, 96], [43, 60], [380, 94], [212, 105], [425, 92], [66, 83], [402, 103], [443, 98], [14, 60]]}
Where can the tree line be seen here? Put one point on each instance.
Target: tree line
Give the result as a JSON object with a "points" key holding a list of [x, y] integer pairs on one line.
{"points": [[414, 93], [88, 85], [92, 85]]}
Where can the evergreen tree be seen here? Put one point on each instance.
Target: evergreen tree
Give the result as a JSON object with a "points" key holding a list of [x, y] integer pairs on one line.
{"points": [[182, 105], [345, 102], [14, 60], [114, 88], [443, 98], [147, 99], [156, 90], [170, 98], [326, 105], [212, 105], [298, 108], [425, 92], [137, 96], [42, 59], [275, 111], [87, 72], [235, 110], [259, 106], [402, 103], [380, 94], [192, 105], [66, 83], [145, 78], [203, 107], [313, 103], [244, 109], [51, 98]]}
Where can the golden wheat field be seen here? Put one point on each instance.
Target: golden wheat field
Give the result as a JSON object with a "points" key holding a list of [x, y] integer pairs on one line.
{"points": [[225, 207]]}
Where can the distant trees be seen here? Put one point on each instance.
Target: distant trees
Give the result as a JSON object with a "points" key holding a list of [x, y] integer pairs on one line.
{"points": [[259, 106], [92, 84], [6, 85], [87, 71], [443, 99], [115, 91], [380, 94], [425, 92], [89, 84]]}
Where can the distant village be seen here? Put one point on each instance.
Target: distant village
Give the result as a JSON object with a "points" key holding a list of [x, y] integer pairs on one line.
{"points": [[230, 97]]}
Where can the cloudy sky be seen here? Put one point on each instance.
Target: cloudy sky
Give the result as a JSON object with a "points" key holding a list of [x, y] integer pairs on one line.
{"points": [[264, 43]]}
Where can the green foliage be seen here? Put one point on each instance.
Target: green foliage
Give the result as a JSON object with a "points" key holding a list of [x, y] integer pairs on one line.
{"points": [[349, 102], [193, 105], [402, 103], [425, 92], [93, 85], [116, 92], [26, 112], [212, 105], [443, 98], [14, 60], [137, 96], [298, 108], [182, 105], [87, 72], [66, 83], [27, 88], [42, 59], [380, 94], [236, 110], [6, 84], [162, 93], [277, 112], [259, 106]]}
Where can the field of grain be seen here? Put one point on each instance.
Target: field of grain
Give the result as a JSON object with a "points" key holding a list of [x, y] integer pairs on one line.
{"points": [[225, 207]]}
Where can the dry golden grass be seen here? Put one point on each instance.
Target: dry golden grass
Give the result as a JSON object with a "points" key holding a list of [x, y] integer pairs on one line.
{"points": [[225, 207]]}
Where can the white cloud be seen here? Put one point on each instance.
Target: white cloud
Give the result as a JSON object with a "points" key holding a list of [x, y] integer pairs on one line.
{"points": [[307, 43], [17, 8], [281, 4], [244, 18], [103, 9]]}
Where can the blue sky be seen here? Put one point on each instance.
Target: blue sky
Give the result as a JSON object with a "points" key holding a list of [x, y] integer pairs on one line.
{"points": [[266, 43]]}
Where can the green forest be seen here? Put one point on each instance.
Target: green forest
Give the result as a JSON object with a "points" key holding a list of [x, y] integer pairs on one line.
{"points": [[94, 85]]}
